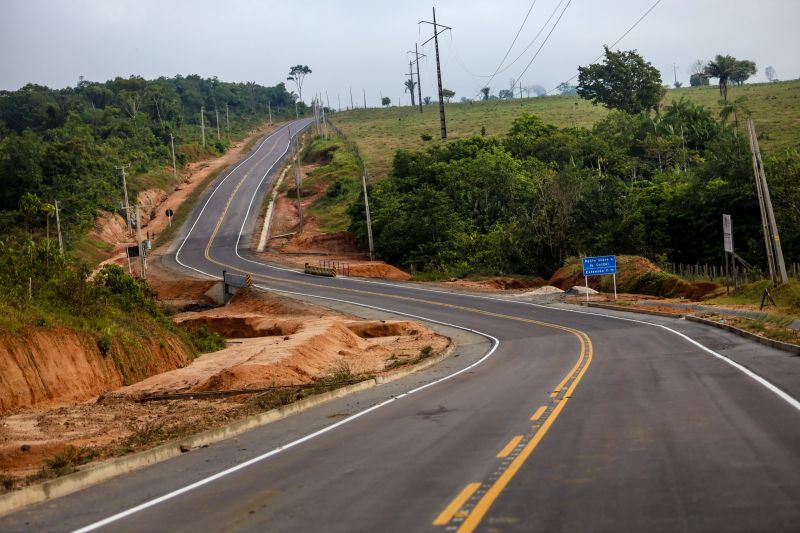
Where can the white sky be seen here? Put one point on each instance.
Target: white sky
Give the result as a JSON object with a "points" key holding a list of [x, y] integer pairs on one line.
{"points": [[362, 44]]}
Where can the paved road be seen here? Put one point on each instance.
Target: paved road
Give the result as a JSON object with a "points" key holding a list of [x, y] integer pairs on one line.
{"points": [[548, 420]]}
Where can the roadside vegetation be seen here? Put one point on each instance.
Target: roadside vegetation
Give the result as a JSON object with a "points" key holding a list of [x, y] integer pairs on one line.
{"points": [[775, 108], [339, 176], [67, 145]]}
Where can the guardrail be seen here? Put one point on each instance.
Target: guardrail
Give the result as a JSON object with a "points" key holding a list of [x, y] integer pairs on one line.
{"points": [[329, 272], [342, 268]]}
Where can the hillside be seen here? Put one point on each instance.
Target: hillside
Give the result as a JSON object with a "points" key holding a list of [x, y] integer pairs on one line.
{"points": [[379, 132]]}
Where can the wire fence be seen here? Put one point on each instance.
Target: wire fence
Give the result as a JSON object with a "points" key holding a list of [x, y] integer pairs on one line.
{"points": [[718, 273]]}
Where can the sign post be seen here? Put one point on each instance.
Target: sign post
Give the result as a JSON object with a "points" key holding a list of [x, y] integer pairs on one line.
{"points": [[727, 238], [602, 265]]}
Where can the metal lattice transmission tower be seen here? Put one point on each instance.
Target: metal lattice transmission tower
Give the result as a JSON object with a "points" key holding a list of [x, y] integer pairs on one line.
{"points": [[435, 40]]}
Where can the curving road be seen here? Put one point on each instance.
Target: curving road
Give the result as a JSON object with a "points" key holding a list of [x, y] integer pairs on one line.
{"points": [[547, 418]]}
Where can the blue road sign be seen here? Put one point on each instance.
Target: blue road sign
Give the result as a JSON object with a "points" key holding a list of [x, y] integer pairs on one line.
{"points": [[600, 265]]}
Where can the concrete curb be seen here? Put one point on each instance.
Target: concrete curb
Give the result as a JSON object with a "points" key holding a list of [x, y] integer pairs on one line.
{"points": [[785, 346], [94, 474], [632, 310]]}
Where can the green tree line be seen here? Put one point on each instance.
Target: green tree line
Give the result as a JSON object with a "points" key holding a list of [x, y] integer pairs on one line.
{"points": [[66, 144], [632, 184]]}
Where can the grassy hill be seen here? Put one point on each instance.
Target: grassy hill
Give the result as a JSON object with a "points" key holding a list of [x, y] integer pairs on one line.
{"points": [[379, 132]]}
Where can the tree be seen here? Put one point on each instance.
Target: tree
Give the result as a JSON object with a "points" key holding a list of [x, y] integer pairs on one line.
{"points": [[410, 85], [733, 107], [30, 205], [771, 74], [485, 92], [565, 89], [744, 69], [536, 90], [505, 94], [677, 85], [698, 80], [426, 100], [722, 68], [386, 101], [624, 81], [448, 94], [297, 74]]}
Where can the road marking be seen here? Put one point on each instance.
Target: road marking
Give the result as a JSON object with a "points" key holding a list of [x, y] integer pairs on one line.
{"points": [[455, 505], [509, 447], [481, 507], [538, 414]]}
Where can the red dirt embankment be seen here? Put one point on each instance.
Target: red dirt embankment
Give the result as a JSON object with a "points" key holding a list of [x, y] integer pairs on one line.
{"points": [[278, 342], [40, 367]]}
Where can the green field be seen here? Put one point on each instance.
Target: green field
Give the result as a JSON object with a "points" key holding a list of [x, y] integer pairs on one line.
{"points": [[379, 132]]}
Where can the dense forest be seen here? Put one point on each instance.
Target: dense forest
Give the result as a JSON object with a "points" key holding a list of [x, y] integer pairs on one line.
{"points": [[655, 186], [66, 144]]}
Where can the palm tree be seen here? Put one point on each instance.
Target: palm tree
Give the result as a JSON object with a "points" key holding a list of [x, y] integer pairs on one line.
{"points": [[722, 67], [734, 108], [409, 85]]}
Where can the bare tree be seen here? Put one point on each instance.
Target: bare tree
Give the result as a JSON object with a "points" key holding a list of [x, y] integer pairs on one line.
{"points": [[771, 74]]}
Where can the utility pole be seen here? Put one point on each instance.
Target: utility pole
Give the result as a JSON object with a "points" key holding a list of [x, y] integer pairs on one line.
{"points": [[675, 73], [269, 108], [216, 112], [227, 118], [352, 106], [365, 97], [174, 165], [141, 244], [58, 225], [297, 179], [296, 113], [419, 80], [435, 39], [777, 266], [203, 124], [339, 100], [123, 168]]}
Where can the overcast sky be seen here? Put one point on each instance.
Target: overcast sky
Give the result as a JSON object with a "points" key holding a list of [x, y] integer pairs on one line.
{"points": [[362, 43]]}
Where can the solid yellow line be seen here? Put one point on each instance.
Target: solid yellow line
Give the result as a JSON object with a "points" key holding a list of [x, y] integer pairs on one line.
{"points": [[539, 412], [482, 507], [509, 447], [456, 504]]}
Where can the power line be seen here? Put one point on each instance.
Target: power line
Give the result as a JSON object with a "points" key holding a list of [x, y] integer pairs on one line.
{"points": [[555, 25], [500, 65], [615, 42]]}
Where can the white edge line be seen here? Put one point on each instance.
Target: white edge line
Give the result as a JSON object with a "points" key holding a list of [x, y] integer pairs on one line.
{"points": [[763, 381], [292, 444], [496, 343]]}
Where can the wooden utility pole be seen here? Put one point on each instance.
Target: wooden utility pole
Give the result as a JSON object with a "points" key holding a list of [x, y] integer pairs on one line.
{"points": [[227, 118], [58, 225], [435, 39], [365, 97], [269, 108], [203, 124], [772, 239], [216, 113]]}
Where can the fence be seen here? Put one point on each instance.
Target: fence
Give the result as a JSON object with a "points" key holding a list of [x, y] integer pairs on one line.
{"points": [[698, 272]]}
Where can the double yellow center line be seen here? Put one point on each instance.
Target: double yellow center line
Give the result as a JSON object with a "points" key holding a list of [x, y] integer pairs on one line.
{"points": [[472, 503]]}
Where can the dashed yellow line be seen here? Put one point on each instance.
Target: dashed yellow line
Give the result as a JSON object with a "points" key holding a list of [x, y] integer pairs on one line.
{"points": [[482, 507], [538, 414], [456, 504], [509, 447], [473, 519]]}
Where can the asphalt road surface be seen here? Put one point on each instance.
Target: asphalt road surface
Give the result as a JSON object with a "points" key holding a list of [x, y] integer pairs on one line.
{"points": [[552, 419]]}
